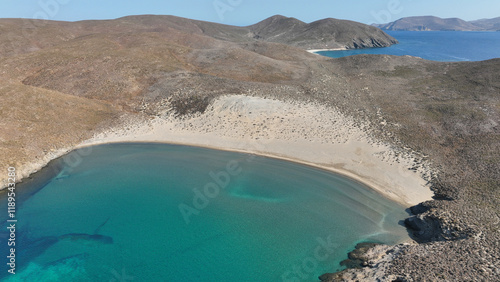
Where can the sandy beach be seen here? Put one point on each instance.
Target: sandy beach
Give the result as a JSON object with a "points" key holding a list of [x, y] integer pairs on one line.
{"points": [[332, 49], [307, 133]]}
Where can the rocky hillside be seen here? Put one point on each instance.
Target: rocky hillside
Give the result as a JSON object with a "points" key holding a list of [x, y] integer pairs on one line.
{"points": [[23, 35], [428, 23], [322, 34], [327, 33]]}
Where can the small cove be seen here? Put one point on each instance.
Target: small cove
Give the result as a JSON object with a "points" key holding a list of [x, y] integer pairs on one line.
{"points": [[159, 212], [445, 46]]}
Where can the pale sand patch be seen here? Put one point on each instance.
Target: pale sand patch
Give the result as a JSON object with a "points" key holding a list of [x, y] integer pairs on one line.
{"points": [[307, 133], [314, 51]]}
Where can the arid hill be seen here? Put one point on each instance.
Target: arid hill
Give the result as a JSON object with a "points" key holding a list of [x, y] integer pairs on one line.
{"points": [[427, 23], [62, 82], [488, 24], [322, 34]]}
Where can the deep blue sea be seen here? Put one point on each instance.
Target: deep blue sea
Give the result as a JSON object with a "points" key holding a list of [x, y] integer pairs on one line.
{"points": [[157, 212], [446, 46]]}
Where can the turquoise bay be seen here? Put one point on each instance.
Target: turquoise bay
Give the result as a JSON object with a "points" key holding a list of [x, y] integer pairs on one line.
{"points": [[140, 211], [445, 46]]}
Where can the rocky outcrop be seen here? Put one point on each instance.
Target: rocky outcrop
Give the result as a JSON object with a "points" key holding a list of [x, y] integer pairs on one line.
{"points": [[373, 259], [358, 257]]}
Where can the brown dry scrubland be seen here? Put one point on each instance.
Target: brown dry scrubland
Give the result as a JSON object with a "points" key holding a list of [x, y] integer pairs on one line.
{"points": [[61, 83]]}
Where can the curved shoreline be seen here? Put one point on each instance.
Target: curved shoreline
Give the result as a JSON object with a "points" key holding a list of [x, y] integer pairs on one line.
{"points": [[292, 132], [53, 170], [286, 131], [345, 173]]}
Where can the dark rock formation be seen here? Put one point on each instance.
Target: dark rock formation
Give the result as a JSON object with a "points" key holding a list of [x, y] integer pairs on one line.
{"points": [[357, 258]]}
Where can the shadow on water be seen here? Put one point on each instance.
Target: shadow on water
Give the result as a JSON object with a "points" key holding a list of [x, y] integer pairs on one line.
{"points": [[403, 224], [31, 186], [29, 249]]}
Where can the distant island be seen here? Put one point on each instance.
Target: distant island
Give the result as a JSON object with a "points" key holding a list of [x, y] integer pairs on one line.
{"points": [[431, 23]]}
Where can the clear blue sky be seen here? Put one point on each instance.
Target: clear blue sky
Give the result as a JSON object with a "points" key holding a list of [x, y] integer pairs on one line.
{"points": [[245, 12]]}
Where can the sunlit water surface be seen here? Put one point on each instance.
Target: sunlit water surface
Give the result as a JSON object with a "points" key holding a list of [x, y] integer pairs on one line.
{"points": [[130, 211]]}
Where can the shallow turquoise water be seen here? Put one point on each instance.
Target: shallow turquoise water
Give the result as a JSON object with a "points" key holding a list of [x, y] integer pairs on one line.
{"points": [[447, 46], [116, 216]]}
